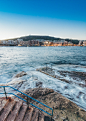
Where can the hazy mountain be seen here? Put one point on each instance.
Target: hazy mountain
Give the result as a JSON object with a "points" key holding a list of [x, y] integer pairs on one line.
{"points": [[34, 37]]}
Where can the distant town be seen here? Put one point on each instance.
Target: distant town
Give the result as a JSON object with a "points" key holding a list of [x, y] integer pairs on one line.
{"points": [[30, 41]]}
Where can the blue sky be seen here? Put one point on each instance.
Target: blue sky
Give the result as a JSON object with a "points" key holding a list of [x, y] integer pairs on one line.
{"points": [[59, 18]]}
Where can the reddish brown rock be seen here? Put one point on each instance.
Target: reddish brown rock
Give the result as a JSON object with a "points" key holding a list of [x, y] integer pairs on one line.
{"points": [[63, 108]]}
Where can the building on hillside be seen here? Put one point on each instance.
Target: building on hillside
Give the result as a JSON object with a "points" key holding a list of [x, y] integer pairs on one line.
{"points": [[70, 44], [84, 43], [61, 41], [65, 43], [29, 43], [54, 43], [47, 43], [0, 42], [40, 40], [80, 43], [24, 43], [34, 43], [15, 42], [10, 42], [41, 43], [60, 44], [54, 40], [19, 40], [4, 42]]}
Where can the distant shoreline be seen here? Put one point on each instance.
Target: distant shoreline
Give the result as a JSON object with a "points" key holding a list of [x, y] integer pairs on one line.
{"points": [[38, 46]]}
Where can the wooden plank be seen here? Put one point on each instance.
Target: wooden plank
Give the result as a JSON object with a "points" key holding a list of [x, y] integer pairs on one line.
{"points": [[35, 116], [7, 110], [28, 114], [3, 103], [41, 117], [15, 111], [22, 113]]}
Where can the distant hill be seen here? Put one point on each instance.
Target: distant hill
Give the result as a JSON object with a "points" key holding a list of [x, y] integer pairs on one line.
{"points": [[33, 37]]}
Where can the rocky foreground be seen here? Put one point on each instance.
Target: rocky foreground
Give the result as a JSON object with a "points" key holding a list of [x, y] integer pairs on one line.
{"points": [[78, 76], [64, 109]]}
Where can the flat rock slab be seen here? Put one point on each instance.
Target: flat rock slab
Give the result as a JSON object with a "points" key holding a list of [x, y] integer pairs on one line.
{"points": [[7, 110], [3, 103], [21, 74], [22, 113], [28, 115], [35, 116], [63, 108], [15, 112]]}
